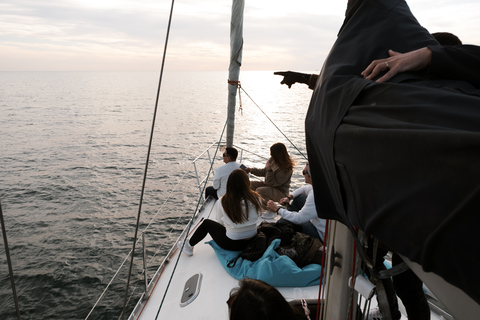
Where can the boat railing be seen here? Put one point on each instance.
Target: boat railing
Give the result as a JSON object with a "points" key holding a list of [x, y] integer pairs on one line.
{"points": [[206, 155], [206, 159]]}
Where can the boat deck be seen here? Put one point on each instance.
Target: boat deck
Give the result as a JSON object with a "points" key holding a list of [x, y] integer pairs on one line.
{"points": [[215, 285]]}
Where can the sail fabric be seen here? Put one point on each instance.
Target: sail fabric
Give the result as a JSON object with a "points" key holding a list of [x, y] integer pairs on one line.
{"points": [[399, 160], [236, 49]]}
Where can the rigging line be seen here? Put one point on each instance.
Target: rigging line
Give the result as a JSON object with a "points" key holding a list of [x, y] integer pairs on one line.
{"points": [[148, 157], [164, 203], [10, 269], [191, 221], [130, 252], [108, 285], [351, 300], [323, 273], [274, 124]]}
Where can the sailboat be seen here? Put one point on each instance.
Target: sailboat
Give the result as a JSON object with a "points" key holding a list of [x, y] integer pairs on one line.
{"points": [[197, 287]]}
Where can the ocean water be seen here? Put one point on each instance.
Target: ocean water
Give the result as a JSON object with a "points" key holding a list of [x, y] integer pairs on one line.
{"points": [[73, 150]]}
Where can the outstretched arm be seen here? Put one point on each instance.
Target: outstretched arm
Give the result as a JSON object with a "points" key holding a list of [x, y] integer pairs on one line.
{"points": [[397, 63], [290, 77]]}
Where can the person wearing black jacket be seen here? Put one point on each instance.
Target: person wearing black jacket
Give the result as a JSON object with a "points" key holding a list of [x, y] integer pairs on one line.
{"points": [[394, 144]]}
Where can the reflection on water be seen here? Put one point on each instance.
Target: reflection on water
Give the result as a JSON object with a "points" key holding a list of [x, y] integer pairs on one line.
{"points": [[73, 153]]}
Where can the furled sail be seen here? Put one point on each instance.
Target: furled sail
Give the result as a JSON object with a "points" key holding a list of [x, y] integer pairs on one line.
{"points": [[236, 46]]}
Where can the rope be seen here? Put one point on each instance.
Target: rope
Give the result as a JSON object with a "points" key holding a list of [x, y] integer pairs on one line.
{"points": [[351, 301], [239, 86], [147, 161], [273, 123], [305, 309], [326, 244]]}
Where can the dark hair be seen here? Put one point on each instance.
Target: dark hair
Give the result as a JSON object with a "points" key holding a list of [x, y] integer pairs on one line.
{"points": [[232, 153], [255, 300], [446, 38], [239, 192], [279, 153]]}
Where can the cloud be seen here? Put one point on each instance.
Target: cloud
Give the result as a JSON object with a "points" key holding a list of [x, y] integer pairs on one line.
{"points": [[129, 35]]}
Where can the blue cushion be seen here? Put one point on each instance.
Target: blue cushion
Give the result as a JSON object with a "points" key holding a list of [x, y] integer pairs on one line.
{"points": [[276, 270]]}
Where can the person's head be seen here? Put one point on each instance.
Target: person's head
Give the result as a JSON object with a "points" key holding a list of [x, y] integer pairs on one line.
{"points": [[230, 154], [238, 190], [306, 174], [255, 299], [279, 153], [446, 38]]}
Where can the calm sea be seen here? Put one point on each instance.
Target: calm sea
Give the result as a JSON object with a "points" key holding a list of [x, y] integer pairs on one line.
{"points": [[73, 151]]}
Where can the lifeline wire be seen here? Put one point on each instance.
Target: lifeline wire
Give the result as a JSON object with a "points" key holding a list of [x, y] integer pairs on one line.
{"points": [[191, 222], [147, 160], [128, 255]]}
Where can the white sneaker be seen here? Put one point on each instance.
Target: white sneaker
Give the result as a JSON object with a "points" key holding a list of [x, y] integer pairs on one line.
{"points": [[187, 248], [375, 314]]}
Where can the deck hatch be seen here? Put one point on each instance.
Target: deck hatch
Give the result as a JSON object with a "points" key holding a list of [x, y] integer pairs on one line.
{"points": [[191, 289]]}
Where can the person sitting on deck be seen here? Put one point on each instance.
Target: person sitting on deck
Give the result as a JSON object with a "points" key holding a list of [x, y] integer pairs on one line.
{"points": [[220, 176], [255, 299], [302, 211], [277, 172], [237, 214]]}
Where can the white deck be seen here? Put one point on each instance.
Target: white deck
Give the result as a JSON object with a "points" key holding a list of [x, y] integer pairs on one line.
{"points": [[216, 285], [214, 291]]}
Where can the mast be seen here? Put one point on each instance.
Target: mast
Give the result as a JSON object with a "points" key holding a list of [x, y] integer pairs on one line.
{"points": [[236, 46]]}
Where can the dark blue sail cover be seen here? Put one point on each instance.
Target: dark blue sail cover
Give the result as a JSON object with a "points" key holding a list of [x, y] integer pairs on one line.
{"points": [[400, 160]]}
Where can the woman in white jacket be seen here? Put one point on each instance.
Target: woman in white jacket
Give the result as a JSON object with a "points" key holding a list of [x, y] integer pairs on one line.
{"points": [[237, 214]]}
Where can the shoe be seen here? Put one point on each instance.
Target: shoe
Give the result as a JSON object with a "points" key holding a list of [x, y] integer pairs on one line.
{"points": [[374, 314], [268, 214], [187, 248]]}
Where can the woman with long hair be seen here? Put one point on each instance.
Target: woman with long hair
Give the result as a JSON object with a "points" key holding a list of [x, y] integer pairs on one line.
{"points": [[257, 300], [277, 172], [236, 214]]}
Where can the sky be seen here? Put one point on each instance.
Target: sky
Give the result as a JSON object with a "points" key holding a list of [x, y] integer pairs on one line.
{"points": [[129, 35]]}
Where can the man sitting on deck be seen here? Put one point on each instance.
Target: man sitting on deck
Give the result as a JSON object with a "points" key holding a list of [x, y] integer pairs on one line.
{"points": [[220, 176], [302, 211]]}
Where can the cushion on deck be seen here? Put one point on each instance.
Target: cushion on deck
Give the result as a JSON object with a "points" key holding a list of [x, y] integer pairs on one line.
{"points": [[273, 268]]}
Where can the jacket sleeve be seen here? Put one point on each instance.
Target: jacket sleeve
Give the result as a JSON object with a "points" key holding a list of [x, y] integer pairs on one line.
{"points": [[259, 172], [305, 214], [302, 190], [312, 81], [219, 211], [277, 177], [216, 181], [457, 62]]}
